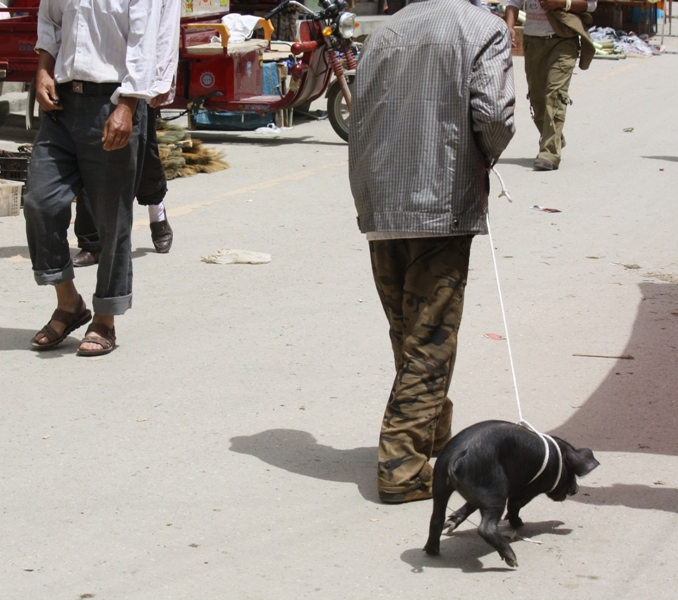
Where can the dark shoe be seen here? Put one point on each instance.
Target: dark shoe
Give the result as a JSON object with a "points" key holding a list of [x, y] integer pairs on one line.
{"points": [[72, 321], [419, 490], [541, 164], [105, 338], [162, 236], [85, 258], [401, 498]]}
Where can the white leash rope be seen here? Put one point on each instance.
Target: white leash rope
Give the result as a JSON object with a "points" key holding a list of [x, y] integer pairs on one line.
{"points": [[522, 422], [504, 189]]}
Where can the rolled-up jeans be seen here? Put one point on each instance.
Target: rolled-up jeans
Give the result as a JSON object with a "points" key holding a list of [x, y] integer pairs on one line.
{"points": [[68, 155]]}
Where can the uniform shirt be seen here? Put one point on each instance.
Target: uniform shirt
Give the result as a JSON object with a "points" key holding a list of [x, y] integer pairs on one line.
{"points": [[102, 41], [432, 109]]}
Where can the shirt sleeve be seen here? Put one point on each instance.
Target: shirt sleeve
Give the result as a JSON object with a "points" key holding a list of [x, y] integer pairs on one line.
{"points": [[142, 40], [492, 95], [49, 28], [168, 46]]}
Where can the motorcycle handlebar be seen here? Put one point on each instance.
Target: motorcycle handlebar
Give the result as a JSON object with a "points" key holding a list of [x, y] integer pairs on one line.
{"points": [[330, 8], [282, 6]]}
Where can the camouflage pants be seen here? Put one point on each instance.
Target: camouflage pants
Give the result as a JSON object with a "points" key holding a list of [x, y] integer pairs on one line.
{"points": [[421, 285], [549, 64]]}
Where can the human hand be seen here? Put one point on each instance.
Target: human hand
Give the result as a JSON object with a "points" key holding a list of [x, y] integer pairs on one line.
{"points": [[45, 91], [512, 31], [118, 127]]}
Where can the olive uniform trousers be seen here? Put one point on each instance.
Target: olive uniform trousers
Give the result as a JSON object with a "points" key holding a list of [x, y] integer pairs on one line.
{"points": [[421, 283], [549, 64]]}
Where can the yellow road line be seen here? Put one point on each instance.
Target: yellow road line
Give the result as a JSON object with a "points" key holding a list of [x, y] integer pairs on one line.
{"points": [[261, 185], [597, 80]]}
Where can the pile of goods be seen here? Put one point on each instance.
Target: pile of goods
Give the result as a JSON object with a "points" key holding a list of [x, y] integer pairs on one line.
{"points": [[182, 156], [616, 44]]}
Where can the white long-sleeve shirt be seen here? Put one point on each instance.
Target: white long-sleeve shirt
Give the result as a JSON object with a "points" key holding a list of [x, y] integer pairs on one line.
{"points": [[167, 47], [103, 41]]}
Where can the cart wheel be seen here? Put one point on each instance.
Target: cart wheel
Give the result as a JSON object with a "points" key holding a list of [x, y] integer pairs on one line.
{"points": [[337, 111]]}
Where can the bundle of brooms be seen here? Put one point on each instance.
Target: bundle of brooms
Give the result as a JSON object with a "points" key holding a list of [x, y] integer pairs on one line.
{"points": [[182, 156]]}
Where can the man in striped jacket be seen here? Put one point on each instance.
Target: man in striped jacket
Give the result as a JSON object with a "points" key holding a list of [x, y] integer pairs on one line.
{"points": [[432, 111]]}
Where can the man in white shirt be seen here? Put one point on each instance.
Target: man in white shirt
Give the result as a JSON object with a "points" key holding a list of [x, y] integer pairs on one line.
{"points": [[549, 63], [93, 80]]}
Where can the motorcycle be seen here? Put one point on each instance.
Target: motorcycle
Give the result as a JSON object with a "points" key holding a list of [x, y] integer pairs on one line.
{"points": [[217, 77]]}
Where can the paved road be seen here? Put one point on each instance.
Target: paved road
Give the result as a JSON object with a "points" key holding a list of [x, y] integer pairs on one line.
{"points": [[227, 448]]}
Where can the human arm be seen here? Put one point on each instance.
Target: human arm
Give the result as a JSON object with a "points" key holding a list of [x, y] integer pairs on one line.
{"points": [[576, 6], [47, 47], [141, 39], [45, 86], [138, 82], [492, 96], [167, 51], [511, 20]]}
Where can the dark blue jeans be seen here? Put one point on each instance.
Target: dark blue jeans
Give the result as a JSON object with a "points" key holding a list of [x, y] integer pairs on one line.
{"points": [[68, 156], [151, 192]]}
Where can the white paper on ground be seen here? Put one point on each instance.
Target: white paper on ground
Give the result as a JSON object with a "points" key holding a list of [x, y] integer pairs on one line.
{"points": [[227, 256]]}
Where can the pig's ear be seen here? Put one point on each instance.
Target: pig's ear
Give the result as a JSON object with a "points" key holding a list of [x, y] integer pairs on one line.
{"points": [[582, 461]]}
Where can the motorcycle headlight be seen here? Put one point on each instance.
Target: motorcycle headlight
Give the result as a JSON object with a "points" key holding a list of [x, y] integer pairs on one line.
{"points": [[346, 25]]}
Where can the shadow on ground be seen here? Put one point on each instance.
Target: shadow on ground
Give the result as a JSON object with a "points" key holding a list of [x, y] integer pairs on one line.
{"points": [[464, 549], [521, 162], [20, 339], [643, 497], [635, 409], [669, 158], [299, 452], [12, 251]]}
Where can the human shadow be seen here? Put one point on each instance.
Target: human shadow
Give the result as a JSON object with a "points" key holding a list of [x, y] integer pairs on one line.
{"points": [[20, 339], [12, 251], [141, 252], [254, 139], [300, 453], [634, 408], [464, 549], [521, 162], [643, 497], [668, 158]]}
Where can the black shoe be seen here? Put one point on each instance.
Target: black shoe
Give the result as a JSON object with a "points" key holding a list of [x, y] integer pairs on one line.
{"points": [[162, 236], [86, 258]]}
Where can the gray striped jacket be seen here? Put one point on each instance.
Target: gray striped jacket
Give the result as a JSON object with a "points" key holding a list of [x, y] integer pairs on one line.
{"points": [[432, 109]]}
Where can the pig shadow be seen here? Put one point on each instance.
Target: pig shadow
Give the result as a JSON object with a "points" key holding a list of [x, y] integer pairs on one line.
{"points": [[464, 549]]}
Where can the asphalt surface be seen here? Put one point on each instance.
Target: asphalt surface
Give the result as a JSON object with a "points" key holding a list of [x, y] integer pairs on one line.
{"points": [[227, 447]]}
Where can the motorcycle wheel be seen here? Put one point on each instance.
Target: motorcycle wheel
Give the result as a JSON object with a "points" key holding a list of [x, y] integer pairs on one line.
{"points": [[337, 111]]}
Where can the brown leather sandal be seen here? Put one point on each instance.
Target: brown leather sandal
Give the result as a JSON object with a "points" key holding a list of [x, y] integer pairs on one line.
{"points": [[71, 320], [105, 338]]}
